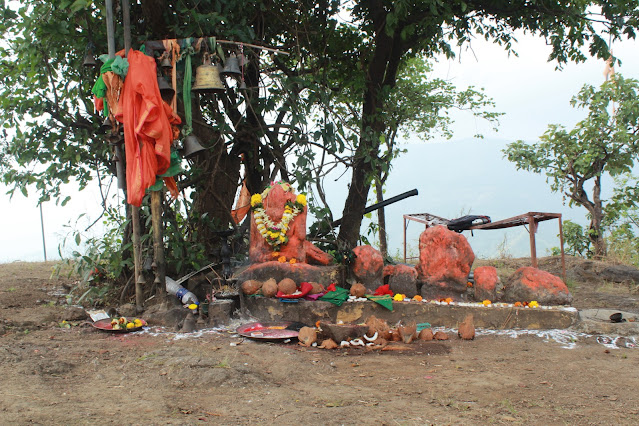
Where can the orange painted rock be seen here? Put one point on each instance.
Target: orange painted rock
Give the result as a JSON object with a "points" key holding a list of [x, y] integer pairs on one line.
{"points": [[259, 249], [530, 283], [466, 329], [445, 259], [368, 266], [486, 281], [315, 256], [402, 279]]}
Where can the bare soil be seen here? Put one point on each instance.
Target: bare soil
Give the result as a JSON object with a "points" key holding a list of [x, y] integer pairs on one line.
{"points": [[78, 375]]}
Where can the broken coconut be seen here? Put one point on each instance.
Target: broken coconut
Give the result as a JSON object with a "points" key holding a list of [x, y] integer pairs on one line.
{"points": [[328, 344], [307, 336], [251, 286], [440, 335], [287, 286], [466, 329], [408, 332], [376, 325]]}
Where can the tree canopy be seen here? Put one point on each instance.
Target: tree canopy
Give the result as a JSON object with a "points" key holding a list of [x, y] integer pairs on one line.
{"points": [[606, 141], [333, 91]]}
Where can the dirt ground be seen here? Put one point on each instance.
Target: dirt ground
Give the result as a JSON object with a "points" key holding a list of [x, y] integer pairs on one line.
{"points": [[78, 375]]}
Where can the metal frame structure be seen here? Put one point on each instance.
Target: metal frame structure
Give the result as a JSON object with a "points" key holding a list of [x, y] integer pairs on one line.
{"points": [[531, 219]]}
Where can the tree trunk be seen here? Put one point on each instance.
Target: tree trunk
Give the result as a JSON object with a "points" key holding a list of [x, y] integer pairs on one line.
{"points": [[381, 218], [596, 216], [382, 71]]}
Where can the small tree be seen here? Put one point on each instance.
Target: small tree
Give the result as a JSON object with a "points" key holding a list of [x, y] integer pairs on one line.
{"points": [[606, 141]]}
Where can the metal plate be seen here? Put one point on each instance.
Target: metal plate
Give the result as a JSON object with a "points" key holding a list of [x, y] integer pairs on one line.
{"points": [[105, 325], [267, 330]]}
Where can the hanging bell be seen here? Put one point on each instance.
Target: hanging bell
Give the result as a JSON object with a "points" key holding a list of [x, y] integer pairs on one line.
{"points": [[232, 67], [166, 91], [107, 124], [191, 146], [89, 60], [207, 78], [165, 62], [243, 85]]}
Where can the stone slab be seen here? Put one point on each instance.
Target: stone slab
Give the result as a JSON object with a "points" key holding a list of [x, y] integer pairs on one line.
{"points": [[597, 321], [309, 312]]}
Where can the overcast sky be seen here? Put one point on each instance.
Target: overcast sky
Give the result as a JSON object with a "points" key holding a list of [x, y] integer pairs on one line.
{"points": [[526, 88]]}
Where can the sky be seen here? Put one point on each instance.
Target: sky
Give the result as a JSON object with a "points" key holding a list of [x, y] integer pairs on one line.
{"points": [[453, 177]]}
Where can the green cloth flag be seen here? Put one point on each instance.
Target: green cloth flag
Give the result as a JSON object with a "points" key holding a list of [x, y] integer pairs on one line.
{"points": [[337, 297], [385, 300]]}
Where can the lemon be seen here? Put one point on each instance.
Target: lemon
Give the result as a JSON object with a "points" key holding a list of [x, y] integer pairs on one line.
{"points": [[130, 325], [138, 322]]}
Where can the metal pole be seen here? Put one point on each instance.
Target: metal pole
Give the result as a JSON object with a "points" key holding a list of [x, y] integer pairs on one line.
{"points": [[158, 245], [110, 29], [44, 245], [532, 230]]}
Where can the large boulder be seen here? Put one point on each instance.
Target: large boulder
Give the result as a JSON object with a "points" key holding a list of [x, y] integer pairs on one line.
{"points": [[530, 283], [274, 203], [368, 266], [486, 281], [401, 279], [445, 259]]}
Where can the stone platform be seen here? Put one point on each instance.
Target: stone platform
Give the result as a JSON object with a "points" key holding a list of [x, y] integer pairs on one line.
{"points": [[492, 317]]}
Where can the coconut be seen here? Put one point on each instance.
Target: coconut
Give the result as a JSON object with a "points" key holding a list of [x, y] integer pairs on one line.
{"points": [[307, 336], [287, 286], [426, 334], [269, 288], [317, 288], [328, 344], [358, 290], [251, 286], [440, 335]]}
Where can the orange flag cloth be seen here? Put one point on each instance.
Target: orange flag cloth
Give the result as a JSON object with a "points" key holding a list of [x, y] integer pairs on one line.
{"points": [[147, 123]]}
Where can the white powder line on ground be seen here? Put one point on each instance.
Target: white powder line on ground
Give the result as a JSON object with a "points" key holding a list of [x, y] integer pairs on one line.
{"points": [[568, 339]]}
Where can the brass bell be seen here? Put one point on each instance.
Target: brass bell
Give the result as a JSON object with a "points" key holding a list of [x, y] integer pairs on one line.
{"points": [[107, 124], [232, 67], [165, 62], [166, 91], [89, 60], [207, 78], [191, 146]]}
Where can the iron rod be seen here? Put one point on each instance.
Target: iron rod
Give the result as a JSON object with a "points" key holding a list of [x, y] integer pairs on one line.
{"points": [[110, 29], [158, 244], [44, 244]]}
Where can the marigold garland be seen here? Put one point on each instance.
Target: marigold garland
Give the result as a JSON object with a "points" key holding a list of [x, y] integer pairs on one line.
{"points": [[275, 233]]}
